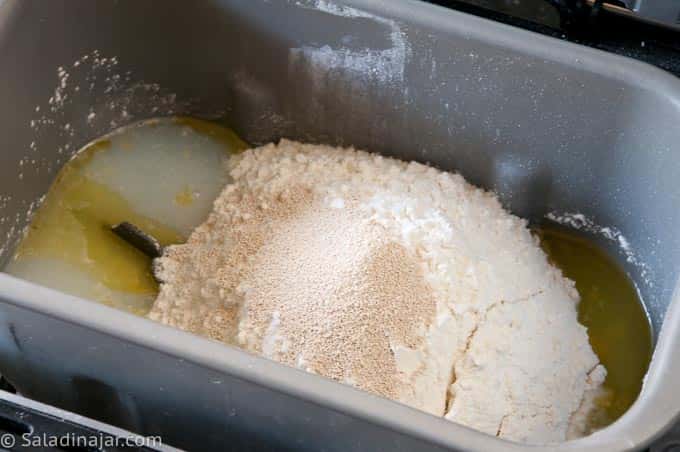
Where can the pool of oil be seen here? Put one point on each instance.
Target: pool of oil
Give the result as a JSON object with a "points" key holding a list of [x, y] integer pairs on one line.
{"points": [[610, 307], [162, 175]]}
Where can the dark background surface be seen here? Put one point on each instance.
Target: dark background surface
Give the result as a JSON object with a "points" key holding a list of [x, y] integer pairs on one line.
{"points": [[606, 31]]}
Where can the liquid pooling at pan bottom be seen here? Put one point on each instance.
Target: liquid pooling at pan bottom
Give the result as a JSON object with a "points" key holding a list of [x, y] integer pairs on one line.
{"points": [[611, 309], [162, 175]]}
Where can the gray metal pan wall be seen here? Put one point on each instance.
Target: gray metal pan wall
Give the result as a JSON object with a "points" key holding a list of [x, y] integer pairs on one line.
{"points": [[550, 125]]}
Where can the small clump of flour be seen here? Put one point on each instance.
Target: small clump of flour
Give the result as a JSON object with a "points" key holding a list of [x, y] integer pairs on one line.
{"points": [[394, 277]]}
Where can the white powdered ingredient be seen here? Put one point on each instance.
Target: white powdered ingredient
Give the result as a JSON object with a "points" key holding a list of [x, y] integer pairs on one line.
{"points": [[393, 277]]}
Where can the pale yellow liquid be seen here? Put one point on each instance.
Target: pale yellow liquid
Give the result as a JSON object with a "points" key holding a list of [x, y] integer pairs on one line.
{"points": [[161, 175], [618, 326]]}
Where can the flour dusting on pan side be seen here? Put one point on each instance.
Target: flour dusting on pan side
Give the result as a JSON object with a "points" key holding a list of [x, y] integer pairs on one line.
{"points": [[92, 95], [580, 222], [381, 64]]}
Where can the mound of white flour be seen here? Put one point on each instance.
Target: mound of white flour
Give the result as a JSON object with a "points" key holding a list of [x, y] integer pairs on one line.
{"points": [[394, 277]]}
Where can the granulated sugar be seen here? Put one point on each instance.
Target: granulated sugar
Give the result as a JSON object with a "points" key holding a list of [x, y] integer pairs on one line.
{"points": [[393, 277]]}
